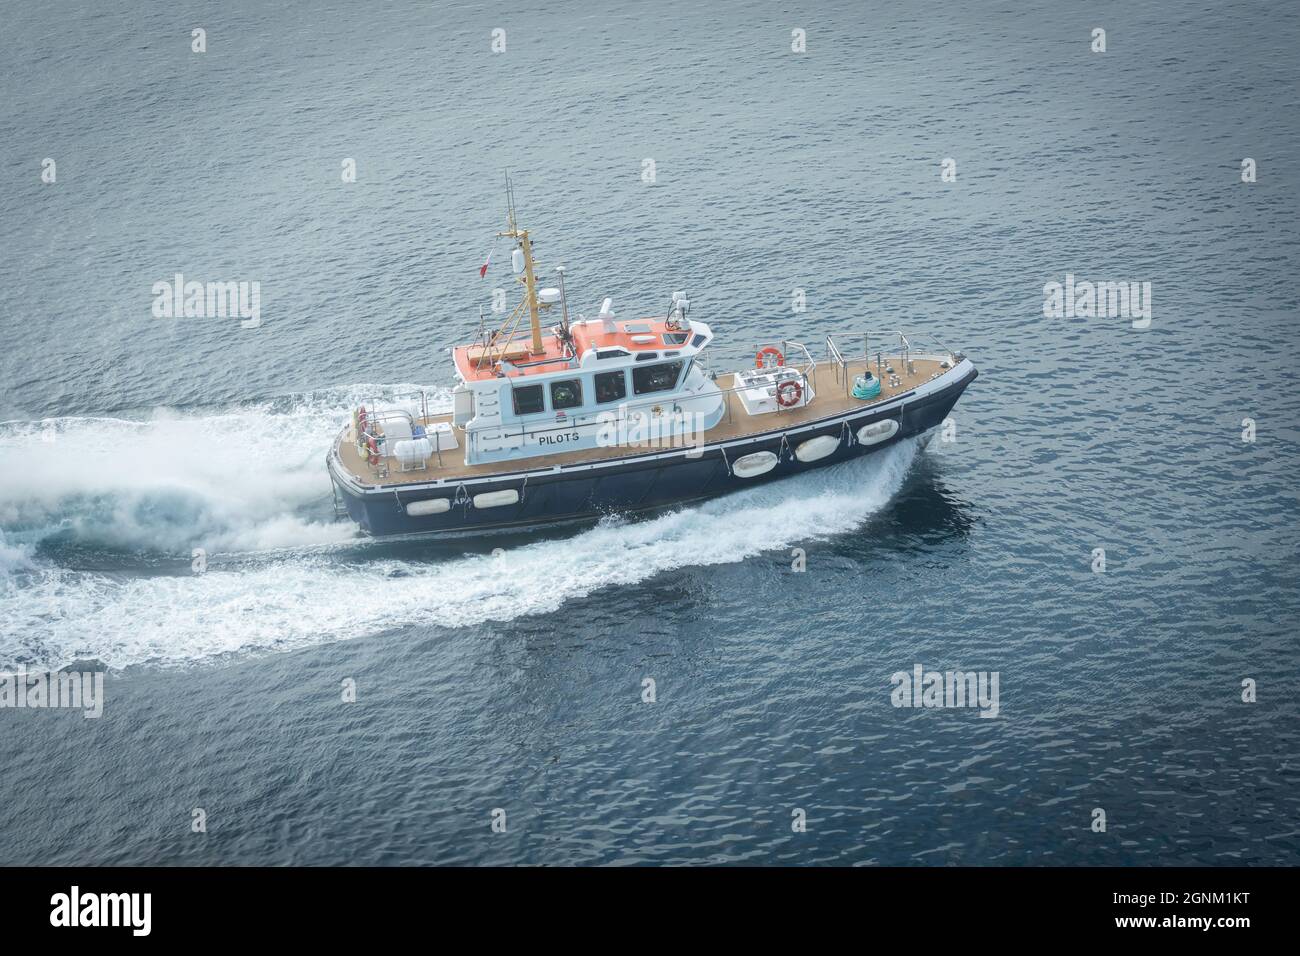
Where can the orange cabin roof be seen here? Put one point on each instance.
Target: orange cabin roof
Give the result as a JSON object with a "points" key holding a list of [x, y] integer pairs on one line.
{"points": [[635, 335]]}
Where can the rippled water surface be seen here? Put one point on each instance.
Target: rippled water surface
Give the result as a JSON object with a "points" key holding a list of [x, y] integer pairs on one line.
{"points": [[513, 678]]}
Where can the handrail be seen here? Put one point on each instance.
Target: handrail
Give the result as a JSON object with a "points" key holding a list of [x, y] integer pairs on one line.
{"points": [[834, 351], [837, 360], [624, 410], [567, 359], [586, 416], [389, 414], [891, 343]]}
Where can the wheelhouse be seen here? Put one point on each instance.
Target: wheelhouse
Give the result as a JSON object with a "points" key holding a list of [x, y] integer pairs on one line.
{"points": [[599, 380], [588, 374]]}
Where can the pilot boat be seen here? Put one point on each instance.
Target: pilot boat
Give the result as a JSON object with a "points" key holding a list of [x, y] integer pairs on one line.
{"points": [[589, 417]]}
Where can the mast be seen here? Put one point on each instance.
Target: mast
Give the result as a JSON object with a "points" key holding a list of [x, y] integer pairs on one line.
{"points": [[530, 278]]}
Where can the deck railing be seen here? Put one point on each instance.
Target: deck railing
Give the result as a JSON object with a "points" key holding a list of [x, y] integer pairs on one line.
{"points": [[842, 350], [412, 409], [647, 410], [883, 346]]}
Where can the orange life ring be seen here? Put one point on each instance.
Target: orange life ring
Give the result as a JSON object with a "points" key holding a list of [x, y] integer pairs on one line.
{"points": [[769, 350], [373, 447], [788, 394]]}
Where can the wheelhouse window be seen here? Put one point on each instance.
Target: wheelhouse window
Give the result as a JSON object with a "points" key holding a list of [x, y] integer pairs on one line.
{"points": [[528, 400], [566, 394], [655, 378], [610, 386]]}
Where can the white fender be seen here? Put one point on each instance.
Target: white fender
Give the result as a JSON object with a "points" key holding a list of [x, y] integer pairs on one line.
{"points": [[433, 506], [877, 432], [815, 449], [751, 466], [495, 499]]}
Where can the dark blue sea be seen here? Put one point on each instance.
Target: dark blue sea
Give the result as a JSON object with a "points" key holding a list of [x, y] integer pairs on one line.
{"points": [[507, 674]]}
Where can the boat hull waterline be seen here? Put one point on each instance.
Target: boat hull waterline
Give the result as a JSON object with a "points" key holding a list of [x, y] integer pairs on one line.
{"points": [[643, 480]]}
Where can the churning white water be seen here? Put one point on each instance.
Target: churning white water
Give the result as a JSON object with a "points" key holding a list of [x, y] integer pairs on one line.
{"points": [[249, 486]]}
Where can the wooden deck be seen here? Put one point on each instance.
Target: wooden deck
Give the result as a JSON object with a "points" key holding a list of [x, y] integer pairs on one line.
{"points": [[832, 398]]}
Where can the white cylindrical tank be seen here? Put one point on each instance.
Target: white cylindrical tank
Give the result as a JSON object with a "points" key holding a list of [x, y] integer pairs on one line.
{"points": [[414, 451]]}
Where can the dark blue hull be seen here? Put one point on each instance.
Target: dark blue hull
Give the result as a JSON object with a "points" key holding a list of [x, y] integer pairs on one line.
{"points": [[636, 483]]}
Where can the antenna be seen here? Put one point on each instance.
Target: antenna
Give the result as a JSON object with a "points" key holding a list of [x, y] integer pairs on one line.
{"points": [[510, 201], [530, 279], [564, 302]]}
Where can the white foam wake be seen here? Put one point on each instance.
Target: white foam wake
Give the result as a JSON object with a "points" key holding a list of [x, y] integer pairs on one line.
{"points": [[237, 480], [303, 596]]}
